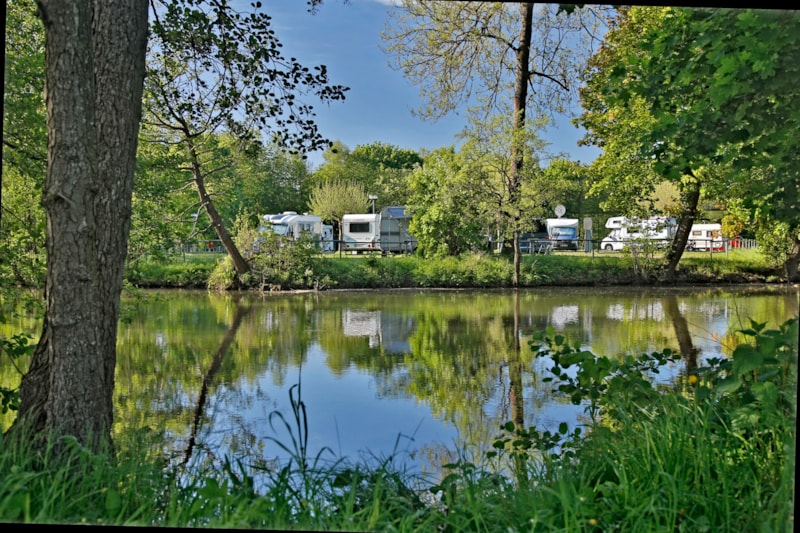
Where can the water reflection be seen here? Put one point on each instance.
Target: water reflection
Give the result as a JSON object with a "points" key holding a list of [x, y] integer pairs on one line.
{"points": [[423, 376]]}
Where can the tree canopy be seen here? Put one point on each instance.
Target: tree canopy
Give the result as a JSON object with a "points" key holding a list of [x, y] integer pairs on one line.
{"points": [[685, 93], [214, 69]]}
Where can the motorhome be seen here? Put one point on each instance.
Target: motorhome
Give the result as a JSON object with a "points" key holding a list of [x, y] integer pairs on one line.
{"points": [[562, 233], [625, 231], [292, 225], [386, 231], [705, 237]]}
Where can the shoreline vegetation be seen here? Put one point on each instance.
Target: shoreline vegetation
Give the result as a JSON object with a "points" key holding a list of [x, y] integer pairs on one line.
{"points": [[309, 271], [714, 451]]}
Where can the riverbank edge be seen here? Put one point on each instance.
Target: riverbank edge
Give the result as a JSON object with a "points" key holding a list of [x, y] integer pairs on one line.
{"points": [[692, 280]]}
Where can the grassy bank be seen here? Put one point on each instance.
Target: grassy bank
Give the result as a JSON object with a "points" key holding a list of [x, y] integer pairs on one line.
{"points": [[341, 271], [713, 452]]}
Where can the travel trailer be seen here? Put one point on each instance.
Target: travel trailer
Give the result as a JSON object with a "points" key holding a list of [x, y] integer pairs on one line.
{"points": [[361, 232], [705, 237], [562, 233], [625, 231], [386, 231]]}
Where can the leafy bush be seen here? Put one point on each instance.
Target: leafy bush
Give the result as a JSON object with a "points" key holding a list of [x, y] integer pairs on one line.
{"points": [[774, 241], [666, 458], [279, 263], [223, 276]]}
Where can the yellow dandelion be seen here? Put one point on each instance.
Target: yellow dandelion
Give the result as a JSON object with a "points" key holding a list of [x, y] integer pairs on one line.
{"points": [[692, 380], [592, 521]]}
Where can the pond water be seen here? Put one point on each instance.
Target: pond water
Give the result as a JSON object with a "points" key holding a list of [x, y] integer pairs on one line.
{"points": [[422, 376]]}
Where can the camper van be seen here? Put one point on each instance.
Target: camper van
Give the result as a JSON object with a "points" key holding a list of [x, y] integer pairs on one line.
{"points": [[292, 225], [386, 231], [625, 231], [562, 233], [705, 237]]}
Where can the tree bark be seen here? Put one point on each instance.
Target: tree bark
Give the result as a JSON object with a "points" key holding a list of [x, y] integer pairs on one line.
{"points": [[239, 263], [793, 258], [691, 198], [520, 101], [94, 55]]}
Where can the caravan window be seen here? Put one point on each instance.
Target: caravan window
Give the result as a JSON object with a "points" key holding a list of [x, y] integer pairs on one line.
{"points": [[280, 229], [360, 227]]}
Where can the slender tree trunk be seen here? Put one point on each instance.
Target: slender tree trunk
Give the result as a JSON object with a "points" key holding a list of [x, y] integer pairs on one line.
{"points": [[239, 263], [520, 100], [94, 55], [691, 198], [793, 259]]}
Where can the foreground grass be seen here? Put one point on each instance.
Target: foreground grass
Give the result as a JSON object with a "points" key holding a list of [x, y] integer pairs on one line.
{"points": [[713, 452], [334, 271]]}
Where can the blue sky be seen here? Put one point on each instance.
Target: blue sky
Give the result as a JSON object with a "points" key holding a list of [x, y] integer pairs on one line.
{"points": [[346, 38]]}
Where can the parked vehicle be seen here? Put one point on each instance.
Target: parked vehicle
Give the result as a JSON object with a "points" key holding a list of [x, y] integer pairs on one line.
{"points": [[626, 231], [562, 233], [361, 232], [386, 231], [292, 225], [705, 236], [394, 237], [535, 242]]}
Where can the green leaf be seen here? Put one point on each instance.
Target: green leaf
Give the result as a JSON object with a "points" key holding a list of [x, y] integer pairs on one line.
{"points": [[729, 384], [113, 501], [766, 393], [746, 359]]}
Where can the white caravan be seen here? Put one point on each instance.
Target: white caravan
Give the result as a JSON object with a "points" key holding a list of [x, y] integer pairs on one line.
{"points": [[624, 231], [705, 237], [361, 232], [386, 231]]}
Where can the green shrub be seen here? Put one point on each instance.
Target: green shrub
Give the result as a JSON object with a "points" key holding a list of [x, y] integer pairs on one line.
{"points": [[713, 451], [278, 263]]}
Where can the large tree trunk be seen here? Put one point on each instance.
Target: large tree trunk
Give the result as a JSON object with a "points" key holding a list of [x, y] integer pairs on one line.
{"points": [[94, 56], [691, 197], [520, 101]]}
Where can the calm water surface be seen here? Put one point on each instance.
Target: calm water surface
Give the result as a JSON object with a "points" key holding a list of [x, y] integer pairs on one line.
{"points": [[419, 375]]}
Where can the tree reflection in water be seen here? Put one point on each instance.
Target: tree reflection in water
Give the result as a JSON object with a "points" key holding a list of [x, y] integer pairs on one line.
{"points": [[425, 376]]}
